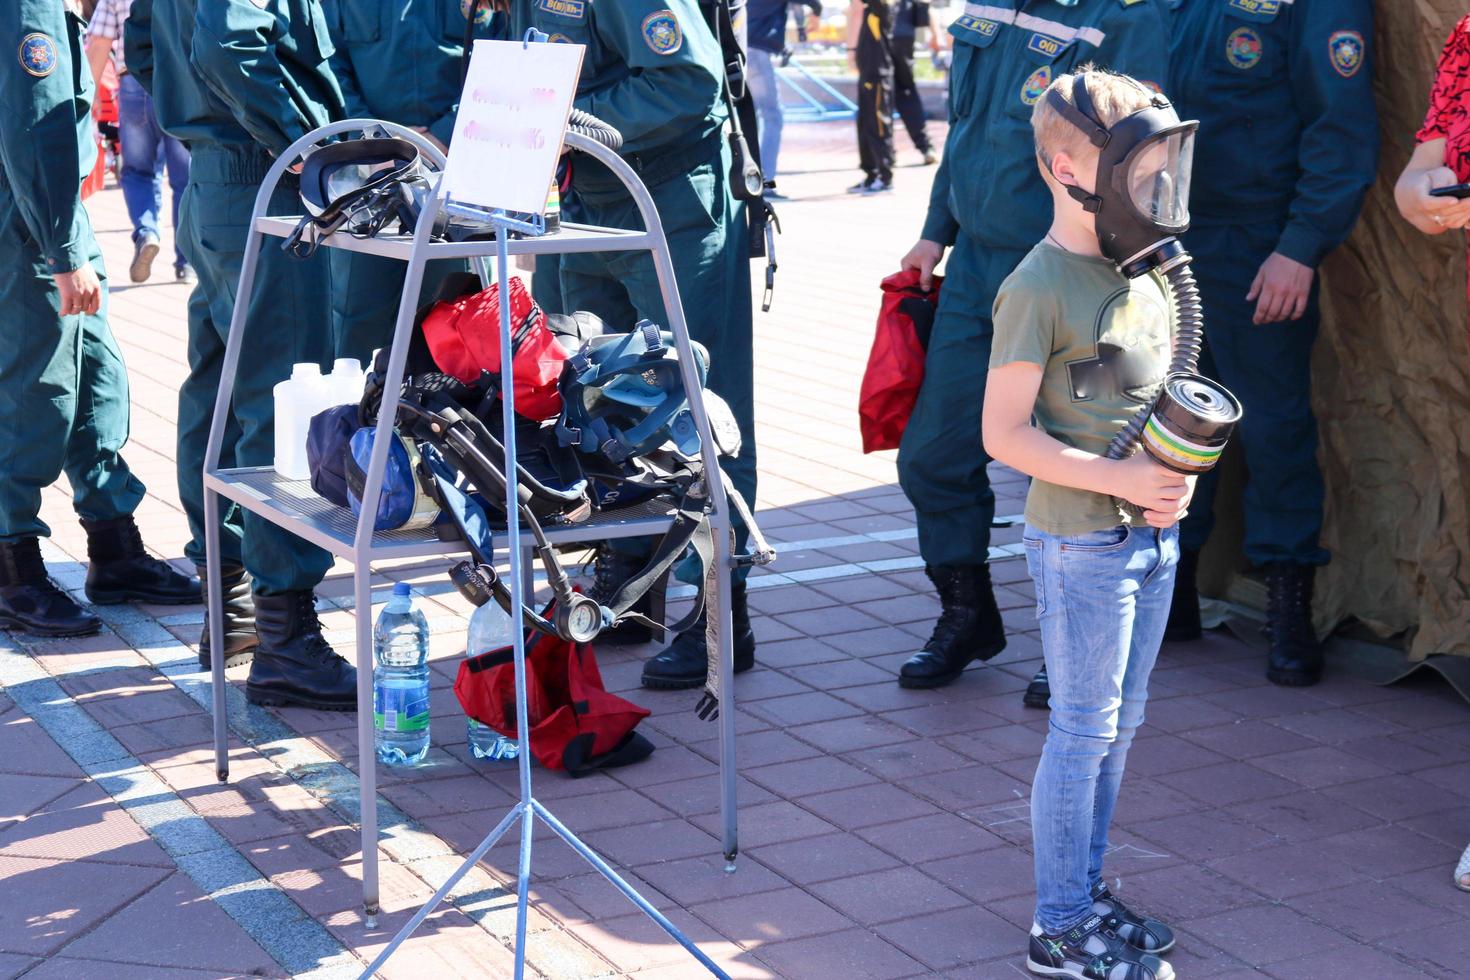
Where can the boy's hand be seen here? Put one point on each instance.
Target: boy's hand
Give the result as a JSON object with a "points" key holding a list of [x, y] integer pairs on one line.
{"points": [[1164, 519], [924, 256], [1159, 492], [1281, 289]]}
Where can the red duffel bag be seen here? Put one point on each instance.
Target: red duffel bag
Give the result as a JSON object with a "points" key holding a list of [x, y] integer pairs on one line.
{"points": [[896, 363], [575, 724], [464, 337]]}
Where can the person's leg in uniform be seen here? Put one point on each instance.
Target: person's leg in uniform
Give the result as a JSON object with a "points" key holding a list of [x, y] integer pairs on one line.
{"points": [[64, 406], [365, 293], [941, 467], [141, 143], [1268, 367], [706, 231], [293, 664], [906, 98], [766, 90]]}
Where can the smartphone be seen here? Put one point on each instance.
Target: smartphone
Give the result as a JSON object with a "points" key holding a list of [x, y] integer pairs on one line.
{"points": [[1461, 191]]}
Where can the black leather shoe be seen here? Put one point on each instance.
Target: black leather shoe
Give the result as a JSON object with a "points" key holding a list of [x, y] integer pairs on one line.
{"points": [[685, 663], [294, 664], [120, 569], [969, 627], [239, 609], [1295, 657], [30, 601], [1038, 692], [1184, 624], [611, 570]]}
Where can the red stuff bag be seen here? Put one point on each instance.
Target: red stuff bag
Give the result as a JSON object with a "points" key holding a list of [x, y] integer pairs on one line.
{"points": [[576, 724], [896, 363], [464, 337]]}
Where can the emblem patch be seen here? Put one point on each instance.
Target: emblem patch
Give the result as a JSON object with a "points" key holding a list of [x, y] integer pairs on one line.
{"points": [[559, 39], [481, 11], [1257, 6], [1347, 52], [661, 31], [976, 25], [1036, 85], [1048, 46], [1244, 49], [38, 54], [574, 9]]}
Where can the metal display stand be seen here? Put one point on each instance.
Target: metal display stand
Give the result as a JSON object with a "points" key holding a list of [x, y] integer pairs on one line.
{"points": [[293, 506]]}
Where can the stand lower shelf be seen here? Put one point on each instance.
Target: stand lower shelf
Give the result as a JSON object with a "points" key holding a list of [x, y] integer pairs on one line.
{"points": [[292, 504]]}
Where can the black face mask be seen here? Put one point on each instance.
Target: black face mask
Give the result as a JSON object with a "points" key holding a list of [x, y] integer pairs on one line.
{"points": [[1143, 171]]}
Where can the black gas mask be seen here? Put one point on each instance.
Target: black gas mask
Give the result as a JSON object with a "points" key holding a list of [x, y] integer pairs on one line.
{"points": [[1144, 161]]}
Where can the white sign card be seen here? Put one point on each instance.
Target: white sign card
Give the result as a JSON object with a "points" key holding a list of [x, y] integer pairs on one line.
{"points": [[512, 116]]}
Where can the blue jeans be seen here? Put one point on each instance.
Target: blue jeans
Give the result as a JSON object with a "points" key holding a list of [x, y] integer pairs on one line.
{"points": [[1102, 600], [146, 150], [766, 91]]}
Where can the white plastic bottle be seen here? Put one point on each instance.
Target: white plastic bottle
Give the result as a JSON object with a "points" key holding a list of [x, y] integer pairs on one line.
{"points": [[297, 399], [489, 630], [345, 383]]}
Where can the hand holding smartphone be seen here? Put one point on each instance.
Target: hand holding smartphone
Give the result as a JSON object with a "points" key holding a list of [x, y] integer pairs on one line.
{"points": [[1460, 191]]}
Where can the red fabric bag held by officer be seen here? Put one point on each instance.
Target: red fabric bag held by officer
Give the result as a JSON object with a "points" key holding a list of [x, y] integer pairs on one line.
{"points": [[896, 363], [576, 724], [464, 337]]}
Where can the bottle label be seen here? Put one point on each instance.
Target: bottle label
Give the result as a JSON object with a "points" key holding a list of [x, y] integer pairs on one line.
{"points": [[399, 709]]}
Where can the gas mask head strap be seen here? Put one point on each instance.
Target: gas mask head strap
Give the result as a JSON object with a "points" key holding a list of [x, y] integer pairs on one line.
{"points": [[1080, 112]]}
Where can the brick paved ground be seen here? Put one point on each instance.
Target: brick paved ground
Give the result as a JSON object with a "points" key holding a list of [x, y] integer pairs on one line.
{"points": [[1287, 834]]}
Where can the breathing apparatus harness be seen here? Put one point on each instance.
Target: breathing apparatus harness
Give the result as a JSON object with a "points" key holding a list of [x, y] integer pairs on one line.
{"points": [[1141, 206]]}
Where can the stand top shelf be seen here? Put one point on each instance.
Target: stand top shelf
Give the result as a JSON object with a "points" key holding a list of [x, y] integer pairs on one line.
{"points": [[568, 238]]}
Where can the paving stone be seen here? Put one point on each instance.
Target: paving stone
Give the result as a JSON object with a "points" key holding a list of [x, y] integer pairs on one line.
{"points": [[915, 757], [700, 795], [1303, 816], [22, 795], [1001, 872], [769, 917], [1321, 766], [50, 902], [26, 748], [1371, 911], [1396, 797], [83, 823], [1383, 851], [1197, 837], [1248, 738], [807, 776], [164, 928], [14, 964], [71, 968], [969, 788], [1439, 950], [1287, 870], [799, 709], [635, 942], [1229, 782], [846, 735], [1265, 934], [1167, 753], [816, 859], [867, 805], [1179, 893], [1352, 962], [852, 955], [838, 674], [695, 880], [771, 823]]}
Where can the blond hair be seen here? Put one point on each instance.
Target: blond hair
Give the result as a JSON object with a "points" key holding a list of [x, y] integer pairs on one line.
{"points": [[1114, 97]]}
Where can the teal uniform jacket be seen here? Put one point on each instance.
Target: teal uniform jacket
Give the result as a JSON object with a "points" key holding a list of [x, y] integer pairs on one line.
{"points": [[1287, 148], [239, 81], [653, 70], [990, 204], [401, 61], [63, 386]]}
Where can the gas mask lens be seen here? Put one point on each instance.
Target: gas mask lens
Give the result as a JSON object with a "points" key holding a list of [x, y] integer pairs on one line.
{"points": [[1158, 179]]}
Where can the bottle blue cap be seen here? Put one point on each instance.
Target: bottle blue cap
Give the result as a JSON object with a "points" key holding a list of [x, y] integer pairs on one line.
{"points": [[402, 589]]}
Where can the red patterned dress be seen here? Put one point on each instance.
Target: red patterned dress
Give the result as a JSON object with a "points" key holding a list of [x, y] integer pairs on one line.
{"points": [[1449, 103]]}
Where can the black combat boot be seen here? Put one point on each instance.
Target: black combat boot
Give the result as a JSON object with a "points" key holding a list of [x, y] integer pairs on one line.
{"points": [[611, 570], [969, 627], [1184, 624], [239, 608], [30, 601], [120, 569], [686, 662], [1038, 692], [294, 664], [1295, 659]]}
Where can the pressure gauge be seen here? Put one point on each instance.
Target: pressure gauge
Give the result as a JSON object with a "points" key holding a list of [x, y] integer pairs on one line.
{"points": [[580, 619]]}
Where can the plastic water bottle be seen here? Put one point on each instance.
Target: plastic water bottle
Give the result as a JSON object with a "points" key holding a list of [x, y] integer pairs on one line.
{"points": [[297, 399], [401, 681], [489, 630]]}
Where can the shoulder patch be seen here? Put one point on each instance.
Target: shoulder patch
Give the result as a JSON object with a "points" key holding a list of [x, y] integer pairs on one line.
{"points": [[1346, 48], [478, 9], [1264, 7], [1035, 85], [38, 55], [571, 9], [1243, 48], [1046, 46], [975, 25], [662, 32]]}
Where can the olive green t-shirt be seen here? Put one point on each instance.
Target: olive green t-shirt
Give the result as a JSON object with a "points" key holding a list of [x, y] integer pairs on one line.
{"points": [[1103, 343]]}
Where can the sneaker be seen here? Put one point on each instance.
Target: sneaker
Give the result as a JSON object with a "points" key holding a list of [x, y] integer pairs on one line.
{"points": [[145, 250], [879, 184], [1090, 951], [863, 186], [930, 158], [184, 273], [1149, 935]]}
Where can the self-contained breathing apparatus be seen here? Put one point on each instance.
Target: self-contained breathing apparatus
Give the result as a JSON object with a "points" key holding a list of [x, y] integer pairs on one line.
{"points": [[1141, 206]]}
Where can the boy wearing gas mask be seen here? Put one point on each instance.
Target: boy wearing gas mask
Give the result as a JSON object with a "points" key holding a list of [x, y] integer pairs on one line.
{"points": [[1081, 347]]}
